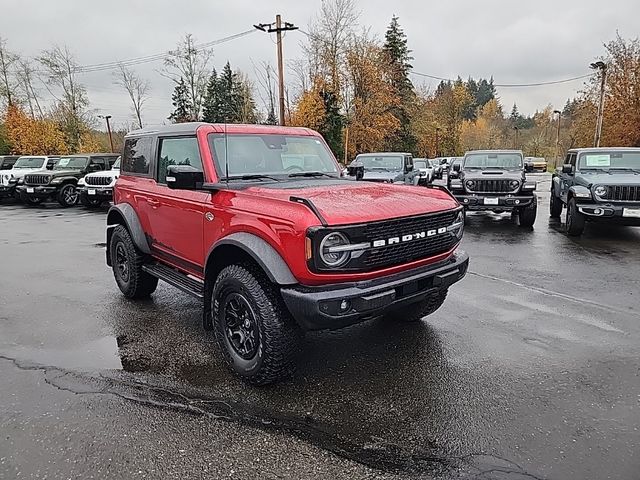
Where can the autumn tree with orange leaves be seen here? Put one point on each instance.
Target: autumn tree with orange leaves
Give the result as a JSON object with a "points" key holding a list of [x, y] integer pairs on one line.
{"points": [[31, 136]]}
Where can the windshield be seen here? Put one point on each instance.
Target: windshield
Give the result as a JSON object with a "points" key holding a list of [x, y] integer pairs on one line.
{"points": [[420, 164], [610, 160], [382, 162], [435, 162], [71, 163], [30, 162], [493, 160], [271, 155]]}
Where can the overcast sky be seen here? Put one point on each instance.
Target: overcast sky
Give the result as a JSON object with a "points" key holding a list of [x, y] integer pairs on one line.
{"points": [[515, 41]]}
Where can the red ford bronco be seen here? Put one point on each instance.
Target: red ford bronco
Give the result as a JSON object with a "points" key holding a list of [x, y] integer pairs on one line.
{"points": [[257, 222]]}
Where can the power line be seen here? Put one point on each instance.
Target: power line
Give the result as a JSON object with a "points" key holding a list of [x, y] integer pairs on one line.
{"points": [[97, 67], [512, 85]]}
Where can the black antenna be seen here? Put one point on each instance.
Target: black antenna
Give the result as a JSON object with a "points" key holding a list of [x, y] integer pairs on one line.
{"points": [[226, 153]]}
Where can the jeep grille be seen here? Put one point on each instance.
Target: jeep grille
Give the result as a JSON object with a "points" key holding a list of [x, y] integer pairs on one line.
{"points": [[491, 186], [624, 193], [36, 179], [91, 180]]}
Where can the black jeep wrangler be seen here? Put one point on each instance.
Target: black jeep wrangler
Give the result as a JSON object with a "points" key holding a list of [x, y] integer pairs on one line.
{"points": [[385, 167], [597, 185], [61, 183], [495, 180]]}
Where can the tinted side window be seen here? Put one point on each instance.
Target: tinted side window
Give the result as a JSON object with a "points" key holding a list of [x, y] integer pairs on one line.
{"points": [[137, 154], [572, 159], [177, 151], [97, 161]]}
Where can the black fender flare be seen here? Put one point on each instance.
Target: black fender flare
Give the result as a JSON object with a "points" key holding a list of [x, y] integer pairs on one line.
{"points": [[125, 213], [262, 253]]}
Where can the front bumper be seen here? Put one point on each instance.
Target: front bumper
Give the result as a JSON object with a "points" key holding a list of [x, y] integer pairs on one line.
{"points": [[7, 190], [37, 191], [479, 201], [95, 192], [618, 213], [319, 308]]}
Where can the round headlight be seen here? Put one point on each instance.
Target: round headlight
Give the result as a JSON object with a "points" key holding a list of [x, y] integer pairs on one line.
{"points": [[514, 184], [470, 184], [601, 191], [328, 254]]}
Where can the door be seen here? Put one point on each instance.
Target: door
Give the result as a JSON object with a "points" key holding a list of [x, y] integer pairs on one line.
{"points": [[566, 179], [177, 216]]}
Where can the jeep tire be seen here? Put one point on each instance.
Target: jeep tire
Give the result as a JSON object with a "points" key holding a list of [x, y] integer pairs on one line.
{"points": [[68, 195], [575, 220], [88, 202], [527, 215], [555, 206], [30, 201], [419, 310], [253, 329], [126, 262]]}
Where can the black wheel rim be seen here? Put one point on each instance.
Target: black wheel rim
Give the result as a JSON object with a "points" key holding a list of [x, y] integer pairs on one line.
{"points": [[121, 262], [240, 326]]}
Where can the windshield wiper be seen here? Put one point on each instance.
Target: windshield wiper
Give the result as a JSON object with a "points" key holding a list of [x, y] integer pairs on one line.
{"points": [[311, 174], [248, 177]]}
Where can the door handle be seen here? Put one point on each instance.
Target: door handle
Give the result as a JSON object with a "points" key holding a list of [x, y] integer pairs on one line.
{"points": [[153, 203]]}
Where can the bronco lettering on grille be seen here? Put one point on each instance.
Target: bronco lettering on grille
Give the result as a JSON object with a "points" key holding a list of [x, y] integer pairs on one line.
{"points": [[409, 238]]}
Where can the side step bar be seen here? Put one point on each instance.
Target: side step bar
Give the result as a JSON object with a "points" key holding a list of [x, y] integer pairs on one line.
{"points": [[176, 279]]}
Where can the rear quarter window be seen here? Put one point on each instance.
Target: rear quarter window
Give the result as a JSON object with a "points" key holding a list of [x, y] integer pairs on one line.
{"points": [[137, 156]]}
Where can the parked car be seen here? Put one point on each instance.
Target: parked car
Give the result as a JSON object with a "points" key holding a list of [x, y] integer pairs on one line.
{"points": [[11, 180], [538, 164], [597, 185], [453, 173], [274, 250], [424, 169], [386, 167], [495, 180], [7, 161], [61, 183], [438, 170], [97, 188]]}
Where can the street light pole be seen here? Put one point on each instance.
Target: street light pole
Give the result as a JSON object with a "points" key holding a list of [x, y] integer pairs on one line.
{"points": [[107, 117], [602, 67], [559, 113], [437, 141], [515, 137]]}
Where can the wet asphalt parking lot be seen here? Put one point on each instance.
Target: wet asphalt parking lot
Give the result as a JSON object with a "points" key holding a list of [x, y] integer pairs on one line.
{"points": [[530, 370]]}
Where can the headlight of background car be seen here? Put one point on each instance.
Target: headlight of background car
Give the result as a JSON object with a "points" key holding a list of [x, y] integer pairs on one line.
{"points": [[470, 184], [513, 184], [330, 252], [601, 191], [457, 227]]}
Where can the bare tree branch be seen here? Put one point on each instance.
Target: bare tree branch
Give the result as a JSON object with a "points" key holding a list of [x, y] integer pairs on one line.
{"points": [[136, 87]]}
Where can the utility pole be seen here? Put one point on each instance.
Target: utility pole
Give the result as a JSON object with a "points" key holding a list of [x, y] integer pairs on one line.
{"points": [[515, 137], [437, 141], [278, 28], [559, 113], [602, 67], [107, 117]]}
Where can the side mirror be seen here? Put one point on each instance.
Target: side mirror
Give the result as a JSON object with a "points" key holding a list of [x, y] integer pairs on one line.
{"points": [[456, 167], [183, 177], [567, 168]]}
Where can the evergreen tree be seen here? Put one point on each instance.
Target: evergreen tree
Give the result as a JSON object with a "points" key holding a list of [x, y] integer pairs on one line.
{"points": [[399, 57], [181, 104], [333, 122], [486, 91], [212, 101], [271, 116]]}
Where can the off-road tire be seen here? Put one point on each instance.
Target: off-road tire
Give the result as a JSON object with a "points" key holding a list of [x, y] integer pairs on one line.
{"points": [[575, 221], [527, 215], [135, 283], [30, 201], [416, 311], [278, 335], [89, 202], [63, 194], [555, 206]]}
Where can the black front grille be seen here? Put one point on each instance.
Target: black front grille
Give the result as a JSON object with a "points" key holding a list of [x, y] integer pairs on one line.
{"points": [[410, 251], [490, 186], [404, 226], [36, 179], [89, 180], [625, 193]]}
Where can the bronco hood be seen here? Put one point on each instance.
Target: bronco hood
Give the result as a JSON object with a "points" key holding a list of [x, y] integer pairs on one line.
{"points": [[344, 202]]}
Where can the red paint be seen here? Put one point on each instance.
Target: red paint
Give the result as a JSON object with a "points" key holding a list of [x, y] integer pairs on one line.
{"points": [[174, 219]]}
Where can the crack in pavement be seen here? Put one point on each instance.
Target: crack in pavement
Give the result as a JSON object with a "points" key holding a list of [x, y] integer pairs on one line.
{"points": [[375, 453], [544, 291]]}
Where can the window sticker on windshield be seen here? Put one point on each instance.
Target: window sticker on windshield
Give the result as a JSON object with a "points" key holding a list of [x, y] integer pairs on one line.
{"points": [[598, 160], [64, 162]]}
